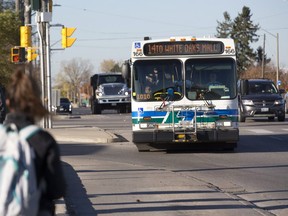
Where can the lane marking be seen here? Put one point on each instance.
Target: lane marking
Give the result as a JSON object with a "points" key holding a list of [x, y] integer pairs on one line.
{"points": [[260, 131]]}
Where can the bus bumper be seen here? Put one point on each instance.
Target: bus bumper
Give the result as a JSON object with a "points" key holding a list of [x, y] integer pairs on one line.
{"points": [[202, 136]]}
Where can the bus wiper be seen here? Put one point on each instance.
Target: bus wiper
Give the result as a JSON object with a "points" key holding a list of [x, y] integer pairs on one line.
{"points": [[169, 96], [207, 96]]}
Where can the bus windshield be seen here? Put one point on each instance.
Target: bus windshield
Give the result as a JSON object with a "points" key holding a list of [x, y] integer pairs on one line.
{"points": [[155, 80], [210, 79]]}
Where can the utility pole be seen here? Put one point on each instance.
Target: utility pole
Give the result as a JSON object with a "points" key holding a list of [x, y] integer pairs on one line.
{"points": [[277, 56], [27, 12], [277, 71], [27, 22], [17, 6], [263, 57], [43, 17]]}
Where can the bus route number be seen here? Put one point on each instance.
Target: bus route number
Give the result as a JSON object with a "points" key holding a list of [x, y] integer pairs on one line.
{"points": [[138, 53], [230, 51]]}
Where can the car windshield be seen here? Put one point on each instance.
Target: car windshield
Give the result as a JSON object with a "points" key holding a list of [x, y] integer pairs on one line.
{"points": [[64, 100], [262, 88]]}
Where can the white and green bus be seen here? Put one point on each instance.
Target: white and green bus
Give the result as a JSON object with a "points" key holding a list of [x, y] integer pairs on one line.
{"points": [[183, 93]]}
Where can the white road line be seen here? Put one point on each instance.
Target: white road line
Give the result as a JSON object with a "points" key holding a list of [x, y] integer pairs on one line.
{"points": [[261, 131]]}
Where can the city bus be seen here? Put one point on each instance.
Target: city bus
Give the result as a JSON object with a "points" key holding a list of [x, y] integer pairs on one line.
{"points": [[183, 93]]}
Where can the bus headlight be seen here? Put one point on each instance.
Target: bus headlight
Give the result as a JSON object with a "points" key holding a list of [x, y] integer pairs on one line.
{"points": [[223, 123], [147, 125], [248, 102]]}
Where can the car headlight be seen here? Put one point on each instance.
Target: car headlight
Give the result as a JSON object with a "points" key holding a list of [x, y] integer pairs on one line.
{"points": [[247, 102], [100, 91], [279, 102], [124, 91]]}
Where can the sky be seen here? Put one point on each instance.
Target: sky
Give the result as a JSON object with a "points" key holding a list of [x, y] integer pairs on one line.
{"points": [[105, 29]]}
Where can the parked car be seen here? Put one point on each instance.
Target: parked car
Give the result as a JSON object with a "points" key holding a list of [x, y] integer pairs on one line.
{"points": [[260, 98], [2, 105], [65, 106]]}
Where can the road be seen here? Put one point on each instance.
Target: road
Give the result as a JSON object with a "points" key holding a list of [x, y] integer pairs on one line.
{"points": [[255, 174]]}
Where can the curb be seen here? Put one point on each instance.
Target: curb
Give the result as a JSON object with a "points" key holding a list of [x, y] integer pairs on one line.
{"points": [[83, 135]]}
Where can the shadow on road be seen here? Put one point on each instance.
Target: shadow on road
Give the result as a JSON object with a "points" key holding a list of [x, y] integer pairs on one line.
{"points": [[76, 195]]}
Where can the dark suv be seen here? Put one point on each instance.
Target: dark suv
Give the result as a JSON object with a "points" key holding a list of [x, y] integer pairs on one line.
{"points": [[260, 98], [2, 105], [65, 106]]}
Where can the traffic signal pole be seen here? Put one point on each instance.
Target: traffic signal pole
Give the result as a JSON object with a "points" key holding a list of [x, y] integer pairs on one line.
{"points": [[43, 19], [25, 53], [48, 74]]}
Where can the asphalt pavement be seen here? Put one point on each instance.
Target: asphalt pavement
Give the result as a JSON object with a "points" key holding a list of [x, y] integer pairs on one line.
{"points": [[77, 202]]}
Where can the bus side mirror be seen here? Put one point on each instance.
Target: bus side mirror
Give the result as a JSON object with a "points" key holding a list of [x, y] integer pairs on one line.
{"points": [[126, 70], [244, 85]]}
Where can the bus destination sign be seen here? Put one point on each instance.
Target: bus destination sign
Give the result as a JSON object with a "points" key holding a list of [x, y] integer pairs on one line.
{"points": [[183, 48]]}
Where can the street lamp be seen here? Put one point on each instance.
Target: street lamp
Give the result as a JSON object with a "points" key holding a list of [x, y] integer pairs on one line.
{"points": [[277, 55]]}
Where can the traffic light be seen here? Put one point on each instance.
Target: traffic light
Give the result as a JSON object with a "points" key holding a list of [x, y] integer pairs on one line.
{"points": [[25, 36], [18, 55], [66, 40], [36, 5], [31, 55]]}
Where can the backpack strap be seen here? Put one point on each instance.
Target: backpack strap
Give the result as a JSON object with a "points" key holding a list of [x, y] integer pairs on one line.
{"points": [[28, 131]]}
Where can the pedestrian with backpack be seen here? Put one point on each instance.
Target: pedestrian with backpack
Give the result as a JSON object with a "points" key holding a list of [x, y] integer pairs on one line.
{"points": [[26, 109]]}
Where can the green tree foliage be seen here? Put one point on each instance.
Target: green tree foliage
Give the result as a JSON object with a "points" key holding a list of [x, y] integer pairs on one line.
{"points": [[243, 31], [9, 37], [224, 29], [259, 56]]}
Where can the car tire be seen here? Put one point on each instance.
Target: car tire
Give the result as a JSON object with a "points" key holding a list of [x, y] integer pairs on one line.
{"points": [[281, 118], [96, 109]]}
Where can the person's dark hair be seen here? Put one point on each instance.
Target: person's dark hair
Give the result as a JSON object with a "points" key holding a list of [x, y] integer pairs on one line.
{"points": [[24, 96]]}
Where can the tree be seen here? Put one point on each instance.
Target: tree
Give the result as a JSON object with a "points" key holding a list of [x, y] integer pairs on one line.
{"points": [[73, 75], [243, 32], [10, 36], [259, 56], [224, 29], [110, 66], [7, 5]]}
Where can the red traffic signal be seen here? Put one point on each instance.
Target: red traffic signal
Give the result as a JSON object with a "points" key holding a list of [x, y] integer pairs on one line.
{"points": [[18, 55]]}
